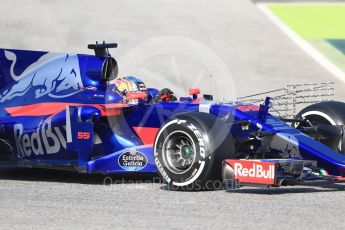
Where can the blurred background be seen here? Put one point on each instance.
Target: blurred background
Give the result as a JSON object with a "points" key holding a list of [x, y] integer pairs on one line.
{"points": [[228, 48]]}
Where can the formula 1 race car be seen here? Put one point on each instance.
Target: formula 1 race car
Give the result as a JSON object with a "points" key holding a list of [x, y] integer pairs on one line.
{"points": [[72, 111]]}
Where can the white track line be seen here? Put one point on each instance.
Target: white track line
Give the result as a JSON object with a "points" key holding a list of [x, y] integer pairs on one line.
{"points": [[309, 49]]}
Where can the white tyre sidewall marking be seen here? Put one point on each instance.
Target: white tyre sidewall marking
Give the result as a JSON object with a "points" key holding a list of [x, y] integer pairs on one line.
{"points": [[202, 165], [321, 114], [160, 132], [325, 116], [155, 154], [162, 171]]}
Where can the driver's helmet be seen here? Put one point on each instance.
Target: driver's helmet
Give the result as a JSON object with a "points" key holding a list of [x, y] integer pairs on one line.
{"points": [[128, 84]]}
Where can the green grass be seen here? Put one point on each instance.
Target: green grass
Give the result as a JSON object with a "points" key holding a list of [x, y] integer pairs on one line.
{"points": [[313, 21]]}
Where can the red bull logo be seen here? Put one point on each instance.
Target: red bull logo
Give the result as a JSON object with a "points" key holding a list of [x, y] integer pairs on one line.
{"points": [[251, 171], [45, 140]]}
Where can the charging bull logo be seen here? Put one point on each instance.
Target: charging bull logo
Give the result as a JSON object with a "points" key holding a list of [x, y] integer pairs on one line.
{"points": [[55, 75]]}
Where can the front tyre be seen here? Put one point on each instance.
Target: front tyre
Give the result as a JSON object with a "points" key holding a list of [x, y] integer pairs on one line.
{"points": [[327, 113], [189, 150]]}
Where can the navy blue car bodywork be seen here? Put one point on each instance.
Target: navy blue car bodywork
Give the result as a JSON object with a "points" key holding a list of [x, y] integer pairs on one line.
{"points": [[59, 110]]}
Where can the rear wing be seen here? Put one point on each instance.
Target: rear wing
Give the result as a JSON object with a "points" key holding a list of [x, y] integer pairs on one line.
{"points": [[285, 102]]}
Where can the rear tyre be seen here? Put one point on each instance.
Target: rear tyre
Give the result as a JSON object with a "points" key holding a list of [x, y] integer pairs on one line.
{"points": [[189, 150], [327, 113]]}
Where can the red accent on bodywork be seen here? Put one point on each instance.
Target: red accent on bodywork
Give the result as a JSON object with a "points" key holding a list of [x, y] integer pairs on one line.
{"points": [[194, 91], [112, 109], [196, 101], [165, 97], [340, 178], [83, 135], [40, 109], [251, 171], [247, 108], [146, 134], [136, 95], [49, 108]]}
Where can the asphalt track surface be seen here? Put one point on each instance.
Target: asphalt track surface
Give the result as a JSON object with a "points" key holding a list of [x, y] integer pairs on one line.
{"points": [[186, 39]]}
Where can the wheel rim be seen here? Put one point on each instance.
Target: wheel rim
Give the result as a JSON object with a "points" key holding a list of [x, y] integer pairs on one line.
{"points": [[179, 152]]}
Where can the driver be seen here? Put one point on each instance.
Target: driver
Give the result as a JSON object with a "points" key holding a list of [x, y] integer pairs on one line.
{"points": [[125, 85]]}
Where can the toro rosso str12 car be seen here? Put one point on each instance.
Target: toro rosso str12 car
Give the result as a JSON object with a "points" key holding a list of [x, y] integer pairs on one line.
{"points": [[72, 111]]}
